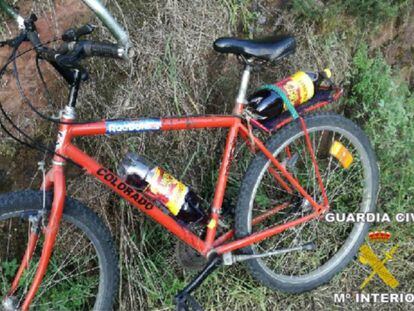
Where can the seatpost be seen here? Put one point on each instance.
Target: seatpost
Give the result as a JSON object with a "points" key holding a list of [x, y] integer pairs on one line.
{"points": [[241, 97]]}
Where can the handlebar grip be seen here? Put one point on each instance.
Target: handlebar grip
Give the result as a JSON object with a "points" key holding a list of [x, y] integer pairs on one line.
{"points": [[69, 54], [103, 49], [74, 34]]}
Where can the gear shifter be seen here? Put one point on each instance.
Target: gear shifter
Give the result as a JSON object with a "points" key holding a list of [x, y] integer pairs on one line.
{"points": [[74, 34]]}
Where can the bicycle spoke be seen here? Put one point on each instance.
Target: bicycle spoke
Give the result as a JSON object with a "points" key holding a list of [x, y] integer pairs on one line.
{"points": [[341, 185], [71, 268]]}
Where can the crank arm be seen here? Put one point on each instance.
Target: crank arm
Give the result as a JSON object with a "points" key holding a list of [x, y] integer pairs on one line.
{"points": [[229, 258]]}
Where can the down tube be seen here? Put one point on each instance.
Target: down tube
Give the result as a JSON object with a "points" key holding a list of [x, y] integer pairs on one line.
{"points": [[135, 198]]}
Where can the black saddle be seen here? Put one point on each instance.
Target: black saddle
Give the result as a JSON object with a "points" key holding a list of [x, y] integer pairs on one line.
{"points": [[272, 48]]}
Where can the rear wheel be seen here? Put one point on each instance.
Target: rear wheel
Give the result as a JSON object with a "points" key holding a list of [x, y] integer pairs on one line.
{"points": [[83, 271], [349, 190]]}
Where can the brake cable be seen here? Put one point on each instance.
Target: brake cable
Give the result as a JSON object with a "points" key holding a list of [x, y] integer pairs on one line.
{"points": [[30, 104], [32, 143], [46, 90], [15, 43], [28, 101]]}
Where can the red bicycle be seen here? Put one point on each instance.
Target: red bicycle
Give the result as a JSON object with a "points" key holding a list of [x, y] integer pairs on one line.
{"points": [[57, 254]]}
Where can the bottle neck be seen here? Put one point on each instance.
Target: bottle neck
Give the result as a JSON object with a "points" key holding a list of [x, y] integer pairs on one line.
{"points": [[314, 76]]}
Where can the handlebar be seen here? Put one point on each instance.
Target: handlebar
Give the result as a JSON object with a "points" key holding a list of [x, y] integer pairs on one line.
{"points": [[73, 50], [65, 59], [100, 11], [69, 54], [102, 49]]}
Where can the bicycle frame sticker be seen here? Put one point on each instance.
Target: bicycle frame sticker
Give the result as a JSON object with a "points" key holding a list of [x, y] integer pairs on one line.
{"points": [[132, 126], [127, 190]]}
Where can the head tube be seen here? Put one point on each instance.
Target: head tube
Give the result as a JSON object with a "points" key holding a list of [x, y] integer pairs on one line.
{"points": [[109, 21], [12, 13]]}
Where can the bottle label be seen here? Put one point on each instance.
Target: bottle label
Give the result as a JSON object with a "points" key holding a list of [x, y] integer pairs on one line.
{"points": [[299, 88], [171, 192]]}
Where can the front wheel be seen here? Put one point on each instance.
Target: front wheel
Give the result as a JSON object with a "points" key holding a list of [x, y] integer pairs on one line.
{"points": [[349, 171], [83, 270]]}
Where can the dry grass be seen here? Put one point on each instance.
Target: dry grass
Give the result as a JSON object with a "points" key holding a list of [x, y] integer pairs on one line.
{"points": [[175, 71]]}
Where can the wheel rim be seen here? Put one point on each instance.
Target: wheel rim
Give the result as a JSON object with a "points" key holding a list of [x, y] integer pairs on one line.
{"points": [[307, 268], [73, 278]]}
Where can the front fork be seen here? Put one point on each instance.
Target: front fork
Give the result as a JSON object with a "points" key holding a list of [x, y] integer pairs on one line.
{"points": [[55, 178]]}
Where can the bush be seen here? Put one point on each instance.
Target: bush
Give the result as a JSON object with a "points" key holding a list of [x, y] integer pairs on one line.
{"points": [[386, 108], [371, 12]]}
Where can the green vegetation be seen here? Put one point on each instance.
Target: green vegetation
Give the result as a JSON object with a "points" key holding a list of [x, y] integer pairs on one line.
{"points": [[386, 107], [8, 270], [7, 149], [241, 14], [369, 12], [58, 297]]}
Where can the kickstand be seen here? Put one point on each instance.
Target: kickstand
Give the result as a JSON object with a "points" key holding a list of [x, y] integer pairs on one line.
{"points": [[184, 301]]}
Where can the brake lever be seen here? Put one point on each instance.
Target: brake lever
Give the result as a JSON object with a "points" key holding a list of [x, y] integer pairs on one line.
{"points": [[71, 59], [71, 62], [74, 34]]}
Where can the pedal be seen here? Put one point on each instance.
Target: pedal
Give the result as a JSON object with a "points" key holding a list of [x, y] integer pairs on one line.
{"points": [[184, 300]]}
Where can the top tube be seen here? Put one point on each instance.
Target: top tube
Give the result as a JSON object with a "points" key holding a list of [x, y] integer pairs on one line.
{"points": [[96, 6]]}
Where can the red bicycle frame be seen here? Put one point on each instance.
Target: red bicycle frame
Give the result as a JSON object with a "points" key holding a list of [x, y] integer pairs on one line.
{"points": [[56, 181]]}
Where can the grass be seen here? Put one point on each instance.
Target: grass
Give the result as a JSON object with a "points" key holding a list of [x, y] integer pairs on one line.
{"points": [[369, 13], [241, 15], [385, 106], [176, 71], [57, 297]]}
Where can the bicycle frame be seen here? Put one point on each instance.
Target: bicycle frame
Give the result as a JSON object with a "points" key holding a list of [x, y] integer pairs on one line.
{"points": [[56, 181], [145, 204]]}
